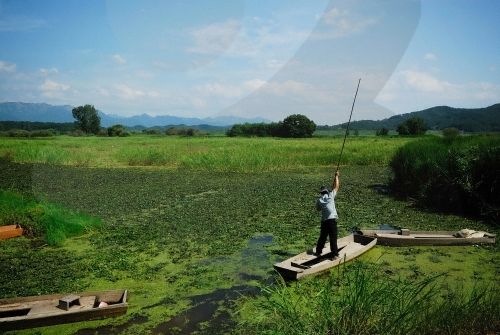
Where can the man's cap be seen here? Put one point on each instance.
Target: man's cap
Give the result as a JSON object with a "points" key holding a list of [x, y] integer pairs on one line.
{"points": [[323, 189]]}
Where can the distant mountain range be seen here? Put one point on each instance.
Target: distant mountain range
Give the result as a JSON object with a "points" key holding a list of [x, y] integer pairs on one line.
{"points": [[41, 112], [440, 117]]}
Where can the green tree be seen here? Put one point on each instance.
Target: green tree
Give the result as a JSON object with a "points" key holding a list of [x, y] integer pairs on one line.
{"points": [[450, 133], [298, 125], [87, 118], [235, 130], [382, 131], [172, 131], [256, 129], [118, 130], [189, 132], [412, 126], [416, 126], [402, 129]]}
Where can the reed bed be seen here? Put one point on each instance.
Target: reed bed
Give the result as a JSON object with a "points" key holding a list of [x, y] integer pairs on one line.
{"points": [[201, 153], [361, 300], [457, 175]]}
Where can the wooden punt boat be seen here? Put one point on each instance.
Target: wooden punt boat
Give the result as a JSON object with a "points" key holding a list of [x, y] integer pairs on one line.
{"points": [[46, 310], [10, 231], [307, 263], [406, 237]]}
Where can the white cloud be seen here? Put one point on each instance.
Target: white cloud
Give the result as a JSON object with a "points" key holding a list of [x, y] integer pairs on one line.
{"points": [[103, 92], [46, 72], [128, 93], [342, 23], [119, 59], [214, 38], [247, 39], [154, 94], [50, 85], [145, 74], [277, 98], [430, 56], [415, 89], [485, 91], [332, 16], [301, 92], [384, 96], [220, 90], [7, 67], [274, 64], [287, 87], [426, 82], [254, 84], [230, 91], [52, 89], [198, 102]]}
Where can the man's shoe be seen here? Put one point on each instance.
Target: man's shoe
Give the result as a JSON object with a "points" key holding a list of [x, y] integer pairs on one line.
{"points": [[333, 256]]}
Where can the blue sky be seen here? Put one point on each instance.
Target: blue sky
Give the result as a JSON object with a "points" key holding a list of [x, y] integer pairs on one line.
{"points": [[251, 58]]}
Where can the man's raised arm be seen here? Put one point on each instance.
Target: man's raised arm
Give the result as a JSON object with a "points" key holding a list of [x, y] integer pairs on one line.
{"points": [[336, 182]]}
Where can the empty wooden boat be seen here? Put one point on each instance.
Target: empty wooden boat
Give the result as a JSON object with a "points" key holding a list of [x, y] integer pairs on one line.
{"points": [[10, 231], [307, 263], [37, 311], [406, 237]]}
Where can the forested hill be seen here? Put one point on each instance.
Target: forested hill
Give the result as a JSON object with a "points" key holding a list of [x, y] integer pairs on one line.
{"points": [[440, 117]]}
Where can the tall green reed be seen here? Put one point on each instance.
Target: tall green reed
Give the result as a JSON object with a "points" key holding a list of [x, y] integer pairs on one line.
{"points": [[459, 175], [362, 300], [42, 219]]}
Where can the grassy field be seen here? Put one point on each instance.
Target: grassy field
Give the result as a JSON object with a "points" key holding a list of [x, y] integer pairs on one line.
{"points": [[220, 154], [194, 238]]}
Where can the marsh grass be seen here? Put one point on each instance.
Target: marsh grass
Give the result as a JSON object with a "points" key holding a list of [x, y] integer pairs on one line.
{"points": [[360, 300], [455, 175], [43, 219], [45, 154], [220, 154], [134, 156]]}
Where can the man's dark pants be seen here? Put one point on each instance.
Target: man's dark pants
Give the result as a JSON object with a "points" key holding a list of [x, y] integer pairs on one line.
{"points": [[328, 228]]}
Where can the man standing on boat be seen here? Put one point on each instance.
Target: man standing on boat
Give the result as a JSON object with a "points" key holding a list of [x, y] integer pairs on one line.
{"points": [[326, 204]]}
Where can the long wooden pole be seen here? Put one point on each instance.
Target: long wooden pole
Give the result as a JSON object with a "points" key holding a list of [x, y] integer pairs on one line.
{"points": [[348, 123]]}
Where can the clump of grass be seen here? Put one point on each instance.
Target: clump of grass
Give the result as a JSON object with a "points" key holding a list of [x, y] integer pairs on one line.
{"points": [[41, 153], [362, 301], [42, 219], [147, 155], [461, 312], [458, 176]]}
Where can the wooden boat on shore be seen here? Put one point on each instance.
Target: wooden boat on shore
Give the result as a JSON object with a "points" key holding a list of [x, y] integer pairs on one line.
{"points": [[406, 237], [307, 263], [10, 231], [38, 311]]}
